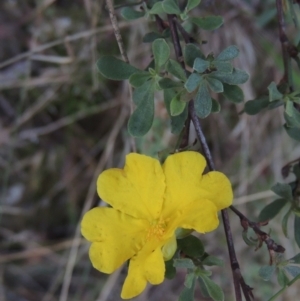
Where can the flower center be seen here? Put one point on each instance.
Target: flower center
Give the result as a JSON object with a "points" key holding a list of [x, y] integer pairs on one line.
{"points": [[157, 229]]}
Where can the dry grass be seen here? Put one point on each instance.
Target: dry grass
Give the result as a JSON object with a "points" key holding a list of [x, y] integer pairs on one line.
{"points": [[62, 124]]}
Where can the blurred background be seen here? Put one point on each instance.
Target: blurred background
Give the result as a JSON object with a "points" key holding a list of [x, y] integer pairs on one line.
{"points": [[62, 124]]}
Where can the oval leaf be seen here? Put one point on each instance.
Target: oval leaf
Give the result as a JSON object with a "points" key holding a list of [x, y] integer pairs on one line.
{"points": [[293, 132], [214, 84], [292, 270], [283, 190], [223, 66], [233, 93], [187, 294], [274, 94], [129, 13], [161, 52], [177, 106], [167, 83], [213, 260], [266, 272], [200, 65], [208, 23], [191, 246], [272, 209], [254, 106], [214, 291], [156, 9], [297, 230], [113, 68], [284, 223], [193, 82], [203, 102], [216, 107], [190, 53], [175, 69], [171, 7], [237, 77], [228, 54], [184, 263], [170, 271], [139, 78], [282, 278]]}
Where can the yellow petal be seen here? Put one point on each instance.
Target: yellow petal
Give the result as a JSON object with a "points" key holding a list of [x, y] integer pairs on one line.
{"points": [[216, 187], [183, 173], [200, 215], [136, 190], [155, 267], [116, 237]]}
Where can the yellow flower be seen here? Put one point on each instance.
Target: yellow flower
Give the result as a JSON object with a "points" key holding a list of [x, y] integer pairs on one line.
{"points": [[149, 202]]}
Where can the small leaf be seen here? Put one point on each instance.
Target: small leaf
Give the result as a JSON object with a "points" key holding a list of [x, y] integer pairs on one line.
{"points": [[156, 9], [274, 94], [282, 279], [295, 259], [129, 13], [175, 69], [191, 246], [293, 114], [223, 66], [284, 223], [141, 92], [297, 230], [192, 4], [283, 190], [237, 77], [228, 53], [113, 68], [293, 270], [213, 260], [139, 78], [141, 120], [272, 209], [177, 106], [151, 36], [293, 132], [193, 82], [215, 107], [266, 272], [214, 84], [190, 53], [184, 263], [189, 280], [161, 52], [254, 106], [208, 23], [187, 294], [171, 7], [214, 291], [200, 65], [203, 102], [167, 83], [203, 288], [170, 271], [233, 93]]}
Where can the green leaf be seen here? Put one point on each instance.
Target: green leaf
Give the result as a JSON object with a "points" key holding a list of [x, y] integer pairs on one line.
{"points": [[293, 270], [141, 92], [208, 23], [191, 4], [161, 52], [171, 7], [213, 260], [254, 106], [283, 190], [293, 114], [113, 68], [297, 230], [177, 106], [151, 36], [129, 13], [296, 170], [295, 259], [157, 9], [282, 279], [170, 271], [189, 280], [141, 120], [274, 94], [214, 291], [214, 84], [237, 77], [203, 102], [203, 288], [167, 83], [193, 82], [293, 132], [272, 209], [215, 107], [228, 53], [139, 78], [191, 246], [200, 65], [190, 53], [284, 223], [223, 66], [175, 69], [187, 294], [184, 263], [266, 272], [233, 93], [177, 122]]}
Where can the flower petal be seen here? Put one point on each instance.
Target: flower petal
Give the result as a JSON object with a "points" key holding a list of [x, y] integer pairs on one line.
{"points": [[183, 173], [155, 267], [200, 215], [216, 187], [116, 237], [136, 190]]}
